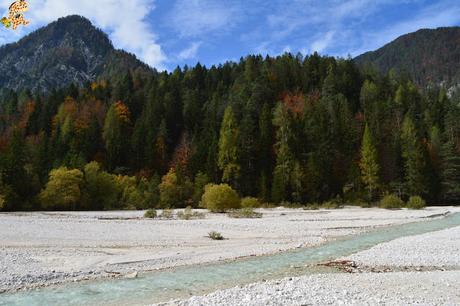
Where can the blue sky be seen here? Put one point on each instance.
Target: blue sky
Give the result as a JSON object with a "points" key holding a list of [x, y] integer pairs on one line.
{"points": [[167, 33]]}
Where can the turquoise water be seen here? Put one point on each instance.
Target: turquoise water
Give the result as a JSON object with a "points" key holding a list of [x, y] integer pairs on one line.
{"points": [[194, 280]]}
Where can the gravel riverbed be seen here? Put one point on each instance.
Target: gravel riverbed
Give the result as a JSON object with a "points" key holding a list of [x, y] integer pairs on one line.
{"points": [[398, 288], [41, 249]]}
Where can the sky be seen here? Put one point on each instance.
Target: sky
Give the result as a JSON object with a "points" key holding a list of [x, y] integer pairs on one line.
{"points": [[170, 33]]}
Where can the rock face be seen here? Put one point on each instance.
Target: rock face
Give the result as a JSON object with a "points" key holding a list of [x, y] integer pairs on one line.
{"points": [[69, 50], [429, 56]]}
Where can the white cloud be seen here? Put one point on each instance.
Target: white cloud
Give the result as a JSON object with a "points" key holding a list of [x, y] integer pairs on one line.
{"points": [[124, 20], [190, 52], [323, 42], [324, 18], [194, 18]]}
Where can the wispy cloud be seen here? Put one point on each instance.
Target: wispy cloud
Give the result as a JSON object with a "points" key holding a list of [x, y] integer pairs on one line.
{"points": [[323, 42], [195, 18], [124, 20], [190, 52]]}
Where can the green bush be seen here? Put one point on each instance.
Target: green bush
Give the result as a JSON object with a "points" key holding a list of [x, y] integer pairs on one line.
{"points": [[391, 201], [220, 198], [151, 214], [189, 214], [100, 189], [215, 235], [250, 202], [247, 212], [416, 202]]}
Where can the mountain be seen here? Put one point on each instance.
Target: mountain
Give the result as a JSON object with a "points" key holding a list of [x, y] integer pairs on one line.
{"points": [[69, 50], [429, 56]]}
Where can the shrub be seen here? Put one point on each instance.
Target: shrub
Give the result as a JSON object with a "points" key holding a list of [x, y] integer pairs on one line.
{"points": [[391, 201], [287, 204], [151, 214], [189, 214], [215, 235], [2, 202], [416, 202], [167, 214], [220, 198], [201, 180], [63, 190], [247, 212], [175, 190], [250, 202], [335, 203], [101, 190]]}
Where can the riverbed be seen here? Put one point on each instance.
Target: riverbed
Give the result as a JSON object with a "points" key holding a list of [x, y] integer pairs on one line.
{"points": [[42, 249]]}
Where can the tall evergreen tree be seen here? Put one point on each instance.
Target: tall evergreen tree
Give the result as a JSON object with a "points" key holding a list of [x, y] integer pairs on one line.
{"points": [[450, 172], [284, 158], [369, 163], [414, 162], [228, 148]]}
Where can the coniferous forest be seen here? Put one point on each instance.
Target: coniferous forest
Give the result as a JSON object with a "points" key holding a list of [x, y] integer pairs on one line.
{"points": [[286, 129]]}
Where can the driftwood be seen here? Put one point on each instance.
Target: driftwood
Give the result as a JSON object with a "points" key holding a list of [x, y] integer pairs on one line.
{"points": [[348, 266]]}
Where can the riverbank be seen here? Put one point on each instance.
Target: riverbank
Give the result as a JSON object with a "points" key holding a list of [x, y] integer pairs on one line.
{"points": [[397, 288], [414, 270], [41, 249]]}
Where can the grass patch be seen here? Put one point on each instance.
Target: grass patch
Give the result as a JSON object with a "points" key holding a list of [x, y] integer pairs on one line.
{"points": [[246, 213], [189, 214], [167, 214], [215, 235], [150, 214], [312, 206]]}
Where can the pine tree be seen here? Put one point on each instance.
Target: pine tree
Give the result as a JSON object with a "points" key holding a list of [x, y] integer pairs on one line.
{"points": [[450, 172], [284, 157], [115, 134], [228, 148], [265, 156], [414, 162], [369, 163]]}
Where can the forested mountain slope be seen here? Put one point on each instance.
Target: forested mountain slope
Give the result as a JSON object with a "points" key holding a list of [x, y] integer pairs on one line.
{"points": [[69, 50], [429, 56], [284, 129]]}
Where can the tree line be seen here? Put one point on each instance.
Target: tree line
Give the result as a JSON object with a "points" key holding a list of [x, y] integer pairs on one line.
{"points": [[299, 129]]}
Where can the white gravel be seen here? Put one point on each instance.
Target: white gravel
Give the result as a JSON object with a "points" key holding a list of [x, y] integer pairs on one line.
{"points": [[38, 249], [399, 288], [437, 250]]}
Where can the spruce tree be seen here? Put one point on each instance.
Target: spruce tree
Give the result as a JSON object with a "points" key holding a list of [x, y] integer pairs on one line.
{"points": [[284, 157], [369, 163], [414, 162], [450, 172]]}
